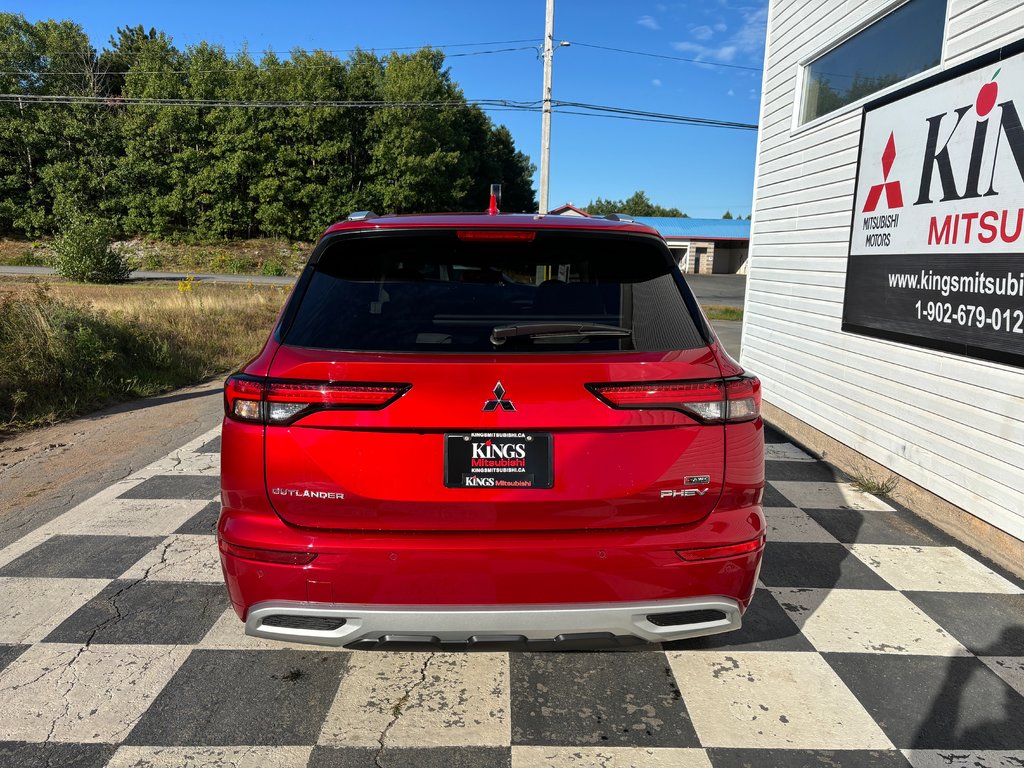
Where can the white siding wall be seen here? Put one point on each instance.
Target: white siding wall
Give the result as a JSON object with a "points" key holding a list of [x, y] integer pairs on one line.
{"points": [[950, 424]]}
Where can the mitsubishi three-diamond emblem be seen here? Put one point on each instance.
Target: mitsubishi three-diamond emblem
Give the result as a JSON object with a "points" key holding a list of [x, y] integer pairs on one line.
{"points": [[499, 401]]}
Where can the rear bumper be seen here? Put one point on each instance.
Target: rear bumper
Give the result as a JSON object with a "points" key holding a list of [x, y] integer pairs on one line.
{"points": [[490, 627], [388, 583]]}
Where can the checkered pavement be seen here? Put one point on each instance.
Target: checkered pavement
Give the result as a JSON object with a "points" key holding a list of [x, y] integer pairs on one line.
{"points": [[874, 640]]}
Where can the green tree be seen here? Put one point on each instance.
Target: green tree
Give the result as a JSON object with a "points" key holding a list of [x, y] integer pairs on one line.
{"points": [[52, 156], [148, 200], [125, 48], [637, 204], [219, 167], [497, 161], [21, 147], [417, 161], [727, 215]]}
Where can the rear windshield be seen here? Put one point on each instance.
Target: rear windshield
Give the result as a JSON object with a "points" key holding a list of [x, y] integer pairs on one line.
{"points": [[436, 293]]}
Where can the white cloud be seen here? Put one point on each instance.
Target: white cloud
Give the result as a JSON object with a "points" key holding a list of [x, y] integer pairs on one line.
{"points": [[723, 54], [656, 83], [750, 37], [648, 21], [747, 41], [730, 92]]}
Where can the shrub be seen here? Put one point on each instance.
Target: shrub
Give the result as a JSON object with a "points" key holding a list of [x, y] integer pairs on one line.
{"points": [[83, 251]]}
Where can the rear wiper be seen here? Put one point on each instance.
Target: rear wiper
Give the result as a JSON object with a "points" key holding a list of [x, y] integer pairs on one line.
{"points": [[504, 332]]}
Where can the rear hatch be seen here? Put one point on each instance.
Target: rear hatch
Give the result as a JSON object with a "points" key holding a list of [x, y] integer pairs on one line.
{"points": [[482, 380]]}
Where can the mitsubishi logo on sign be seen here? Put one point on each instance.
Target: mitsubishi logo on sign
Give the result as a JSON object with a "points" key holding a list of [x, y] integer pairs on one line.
{"points": [[499, 401], [891, 189]]}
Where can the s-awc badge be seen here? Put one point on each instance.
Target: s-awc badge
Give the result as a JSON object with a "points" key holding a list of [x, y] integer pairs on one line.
{"points": [[498, 460]]}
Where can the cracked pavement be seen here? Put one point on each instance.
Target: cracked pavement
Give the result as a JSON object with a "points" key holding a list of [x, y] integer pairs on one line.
{"points": [[874, 639]]}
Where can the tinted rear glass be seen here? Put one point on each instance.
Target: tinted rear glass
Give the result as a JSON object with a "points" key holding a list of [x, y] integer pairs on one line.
{"points": [[436, 293]]}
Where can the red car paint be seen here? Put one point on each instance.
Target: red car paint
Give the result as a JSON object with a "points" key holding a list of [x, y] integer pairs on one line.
{"points": [[361, 489]]}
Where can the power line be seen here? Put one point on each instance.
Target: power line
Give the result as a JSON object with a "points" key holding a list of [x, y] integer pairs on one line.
{"points": [[664, 56], [257, 69], [496, 105], [709, 124], [535, 40], [659, 116], [118, 101]]}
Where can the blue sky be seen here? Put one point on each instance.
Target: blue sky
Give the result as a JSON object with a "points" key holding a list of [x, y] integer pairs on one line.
{"points": [[703, 171]]}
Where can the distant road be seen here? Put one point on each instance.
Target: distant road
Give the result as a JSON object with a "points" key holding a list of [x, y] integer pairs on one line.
{"points": [[143, 275], [720, 290]]}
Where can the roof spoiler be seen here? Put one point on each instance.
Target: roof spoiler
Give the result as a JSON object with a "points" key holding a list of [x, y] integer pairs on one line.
{"points": [[620, 217], [361, 216]]}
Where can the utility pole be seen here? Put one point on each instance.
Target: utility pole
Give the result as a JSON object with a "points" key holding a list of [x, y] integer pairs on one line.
{"points": [[545, 130]]}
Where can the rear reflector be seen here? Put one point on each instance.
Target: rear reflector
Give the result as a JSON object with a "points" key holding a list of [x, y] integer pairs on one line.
{"points": [[714, 401], [280, 401], [713, 553], [515, 235], [267, 555]]}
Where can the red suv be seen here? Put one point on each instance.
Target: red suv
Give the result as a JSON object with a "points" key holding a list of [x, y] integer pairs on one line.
{"points": [[492, 431]]}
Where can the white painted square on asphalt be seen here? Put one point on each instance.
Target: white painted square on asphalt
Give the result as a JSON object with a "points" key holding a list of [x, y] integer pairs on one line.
{"points": [[785, 452], [188, 463], [608, 757], [228, 633], [931, 569], [210, 757], [181, 557], [771, 700], [865, 621], [792, 524], [30, 608], [134, 517], [964, 758], [66, 692], [1010, 668], [446, 699], [828, 495]]}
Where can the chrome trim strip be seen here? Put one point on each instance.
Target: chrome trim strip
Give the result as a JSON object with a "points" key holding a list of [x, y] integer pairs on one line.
{"points": [[459, 623]]}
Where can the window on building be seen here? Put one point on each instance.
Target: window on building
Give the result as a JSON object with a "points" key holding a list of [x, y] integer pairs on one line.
{"points": [[897, 46]]}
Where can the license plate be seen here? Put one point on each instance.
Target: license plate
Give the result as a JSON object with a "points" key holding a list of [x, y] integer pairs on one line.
{"points": [[498, 460]]}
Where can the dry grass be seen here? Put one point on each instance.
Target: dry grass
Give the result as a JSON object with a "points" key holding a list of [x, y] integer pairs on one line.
{"points": [[66, 348]]}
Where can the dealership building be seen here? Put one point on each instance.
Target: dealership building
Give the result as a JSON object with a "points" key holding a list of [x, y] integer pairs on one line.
{"points": [[885, 296], [699, 246]]}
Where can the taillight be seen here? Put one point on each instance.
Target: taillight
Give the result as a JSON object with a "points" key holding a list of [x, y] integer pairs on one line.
{"points": [[243, 398], [280, 401], [744, 398], [713, 402]]}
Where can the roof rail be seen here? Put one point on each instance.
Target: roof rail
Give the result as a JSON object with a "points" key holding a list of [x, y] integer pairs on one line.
{"points": [[620, 217], [361, 216]]}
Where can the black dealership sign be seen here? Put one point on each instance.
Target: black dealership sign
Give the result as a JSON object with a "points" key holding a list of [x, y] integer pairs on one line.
{"points": [[937, 237]]}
